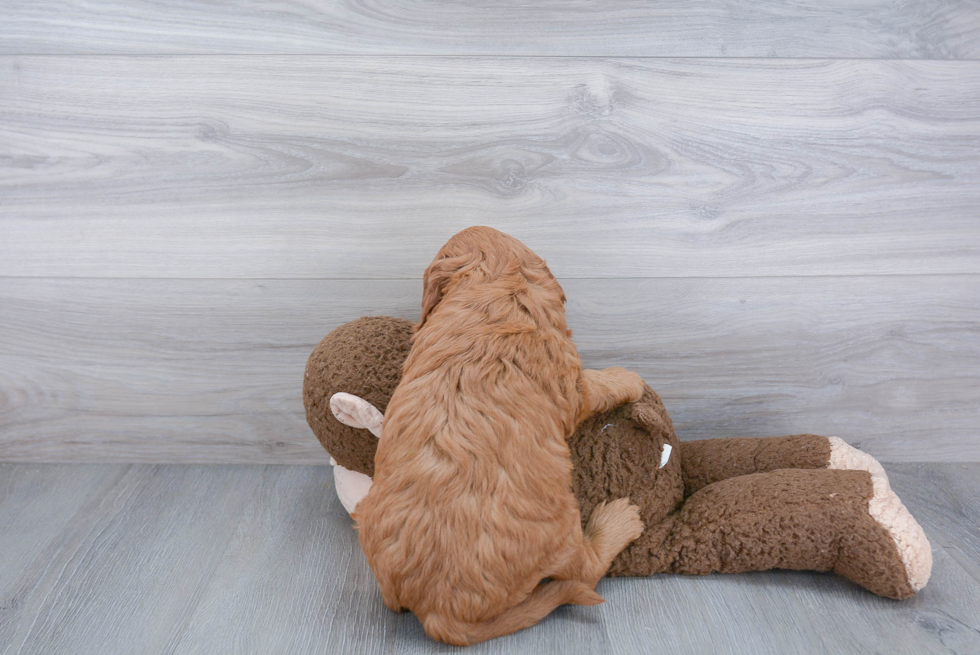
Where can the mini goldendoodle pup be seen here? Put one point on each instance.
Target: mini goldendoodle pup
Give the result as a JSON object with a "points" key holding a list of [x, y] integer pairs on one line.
{"points": [[471, 523]]}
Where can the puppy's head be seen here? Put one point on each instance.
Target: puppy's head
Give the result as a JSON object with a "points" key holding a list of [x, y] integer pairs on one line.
{"points": [[481, 253]]}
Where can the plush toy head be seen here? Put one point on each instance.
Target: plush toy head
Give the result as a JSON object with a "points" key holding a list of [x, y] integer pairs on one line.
{"points": [[624, 452], [363, 358]]}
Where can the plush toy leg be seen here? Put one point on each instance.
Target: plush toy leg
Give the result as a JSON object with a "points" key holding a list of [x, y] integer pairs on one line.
{"points": [[818, 519], [712, 460], [705, 462]]}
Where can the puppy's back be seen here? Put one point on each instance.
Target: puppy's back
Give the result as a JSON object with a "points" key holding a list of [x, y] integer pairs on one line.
{"points": [[472, 491]]}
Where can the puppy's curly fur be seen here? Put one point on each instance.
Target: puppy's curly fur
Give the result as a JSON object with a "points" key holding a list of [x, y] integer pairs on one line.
{"points": [[472, 506]]}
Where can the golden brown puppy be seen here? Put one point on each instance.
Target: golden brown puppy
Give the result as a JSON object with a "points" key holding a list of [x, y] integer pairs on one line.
{"points": [[472, 506]]}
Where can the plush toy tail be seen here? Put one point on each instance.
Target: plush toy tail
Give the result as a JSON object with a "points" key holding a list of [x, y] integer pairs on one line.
{"points": [[542, 601]]}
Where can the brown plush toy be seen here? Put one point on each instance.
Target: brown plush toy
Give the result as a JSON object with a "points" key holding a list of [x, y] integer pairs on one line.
{"points": [[801, 502]]}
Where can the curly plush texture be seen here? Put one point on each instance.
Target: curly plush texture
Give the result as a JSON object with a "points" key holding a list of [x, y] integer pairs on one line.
{"points": [[363, 358], [727, 505], [617, 454]]}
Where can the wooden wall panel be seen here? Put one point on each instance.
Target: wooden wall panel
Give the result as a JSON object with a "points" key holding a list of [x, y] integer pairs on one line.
{"points": [[211, 370], [933, 29], [768, 209], [361, 167]]}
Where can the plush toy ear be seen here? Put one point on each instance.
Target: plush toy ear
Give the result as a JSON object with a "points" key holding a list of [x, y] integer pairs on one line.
{"points": [[356, 412]]}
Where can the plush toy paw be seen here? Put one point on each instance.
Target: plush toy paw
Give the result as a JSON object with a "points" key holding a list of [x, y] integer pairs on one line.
{"points": [[887, 510]]}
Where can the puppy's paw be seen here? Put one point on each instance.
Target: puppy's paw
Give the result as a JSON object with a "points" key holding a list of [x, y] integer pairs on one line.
{"points": [[615, 525], [627, 519], [631, 385], [636, 386]]}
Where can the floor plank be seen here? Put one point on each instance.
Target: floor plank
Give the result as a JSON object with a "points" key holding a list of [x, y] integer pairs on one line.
{"points": [[293, 545], [947, 499], [793, 612], [46, 498], [714, 28], [299, 167], [128, 570], [211, 370], [224, 559]]}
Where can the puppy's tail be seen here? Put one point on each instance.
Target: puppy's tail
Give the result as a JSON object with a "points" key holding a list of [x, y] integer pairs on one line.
{"points": [[542, 601]]}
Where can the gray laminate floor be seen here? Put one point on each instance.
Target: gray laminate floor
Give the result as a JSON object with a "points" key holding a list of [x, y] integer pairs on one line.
{"points": [[120, 558]]}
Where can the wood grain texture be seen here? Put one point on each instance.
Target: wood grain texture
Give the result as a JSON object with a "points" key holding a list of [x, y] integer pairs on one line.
{"points": [[211, 370], [948, 499], [792, 612], [236, 559], [934, 29], [40, 500], [130, 567], [292, 547], [361, 167]]}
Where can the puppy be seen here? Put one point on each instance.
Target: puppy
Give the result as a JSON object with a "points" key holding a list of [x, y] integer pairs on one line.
{"points": [[471, 508]]}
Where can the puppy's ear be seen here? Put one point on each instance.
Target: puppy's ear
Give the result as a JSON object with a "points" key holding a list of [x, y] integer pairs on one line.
{"points": [[435, 279]]}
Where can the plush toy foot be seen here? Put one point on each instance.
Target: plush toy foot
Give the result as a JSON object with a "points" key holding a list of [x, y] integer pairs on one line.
{"points": [[352, 486], [803, 519], [887, 510], [715, 460]]}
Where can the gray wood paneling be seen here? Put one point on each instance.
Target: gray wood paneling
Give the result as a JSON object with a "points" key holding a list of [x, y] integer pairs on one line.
{"points": [[793, 612], [941, 29], [776, 245], [211, 370], [361, 167], [238, 559]]}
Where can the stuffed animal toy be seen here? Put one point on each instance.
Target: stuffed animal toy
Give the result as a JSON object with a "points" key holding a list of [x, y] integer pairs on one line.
{"points": [[802, 502]]}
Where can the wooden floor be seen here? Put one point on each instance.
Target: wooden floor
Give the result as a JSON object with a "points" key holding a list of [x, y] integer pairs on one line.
{"points": [[118, 558]]}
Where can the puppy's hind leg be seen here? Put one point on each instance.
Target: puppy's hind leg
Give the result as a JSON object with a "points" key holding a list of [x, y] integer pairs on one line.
{"points": [[611, 387]]}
